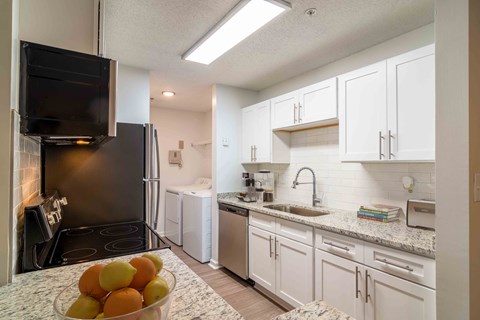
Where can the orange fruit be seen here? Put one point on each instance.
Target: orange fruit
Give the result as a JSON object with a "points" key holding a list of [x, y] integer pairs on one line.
{"points": [[89, 283], [121, 302], [146, 271]]}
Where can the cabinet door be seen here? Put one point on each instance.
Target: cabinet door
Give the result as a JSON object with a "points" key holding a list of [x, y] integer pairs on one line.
{"points": [[318, 101], [340, 283], [392, 298], [294, 271], [285, 110], [261, 257], [362, 113], [411, 105], [262, 139], [248, 127]]}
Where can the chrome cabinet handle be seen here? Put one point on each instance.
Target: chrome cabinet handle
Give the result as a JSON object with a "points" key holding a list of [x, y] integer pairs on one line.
{"points": [[390, 154], [251, 153], [380, 138], [276, 252], [366, 286], [336, 246], [299, 114], [394, 264], [294, 113], [356, 282], [271, 251]]}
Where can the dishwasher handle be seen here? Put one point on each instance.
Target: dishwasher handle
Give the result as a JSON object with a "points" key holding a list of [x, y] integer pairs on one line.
{"points": [[233, 209]]}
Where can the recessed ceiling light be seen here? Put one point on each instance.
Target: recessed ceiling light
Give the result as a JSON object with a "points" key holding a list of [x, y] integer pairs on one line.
{"points": [[311, 12], [168, 93], [244, 19]]}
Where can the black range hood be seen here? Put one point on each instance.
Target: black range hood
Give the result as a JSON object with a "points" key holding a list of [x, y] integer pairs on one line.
{"points": [[66, 97]]}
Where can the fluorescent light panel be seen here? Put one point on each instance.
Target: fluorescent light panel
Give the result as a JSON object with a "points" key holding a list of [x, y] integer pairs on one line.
{"points": [[247, 17]]}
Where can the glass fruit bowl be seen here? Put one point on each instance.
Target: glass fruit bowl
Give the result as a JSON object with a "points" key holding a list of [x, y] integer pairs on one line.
{"points": [[157, 311]]}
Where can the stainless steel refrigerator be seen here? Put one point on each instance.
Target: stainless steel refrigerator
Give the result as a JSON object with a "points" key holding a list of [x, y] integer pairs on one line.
{"points": [[117, 181]]}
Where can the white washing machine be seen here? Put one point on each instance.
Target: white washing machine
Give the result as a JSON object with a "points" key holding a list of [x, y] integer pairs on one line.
{"points": [[197, 224], [173, 208]]}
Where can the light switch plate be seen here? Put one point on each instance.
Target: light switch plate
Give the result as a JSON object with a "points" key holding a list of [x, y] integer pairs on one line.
{"points": [[476, 188]]}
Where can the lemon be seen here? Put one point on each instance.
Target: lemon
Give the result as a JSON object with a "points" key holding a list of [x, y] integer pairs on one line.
{"points": [[155, 290], [84, 308], [157, 261], [116, 275]]}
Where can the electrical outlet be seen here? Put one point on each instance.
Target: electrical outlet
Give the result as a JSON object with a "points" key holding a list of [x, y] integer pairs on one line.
{"points": [[476, 188], [225, 142]]}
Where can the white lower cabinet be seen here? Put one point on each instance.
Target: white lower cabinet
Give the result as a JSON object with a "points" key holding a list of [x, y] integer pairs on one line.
{"points": [[282, 266], [261, 257], [339, 282], [370, 294], [393, 298], [294, 271]]}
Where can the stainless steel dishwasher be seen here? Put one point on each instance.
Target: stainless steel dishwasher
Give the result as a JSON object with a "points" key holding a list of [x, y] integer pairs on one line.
{"points": [[233, 239]]}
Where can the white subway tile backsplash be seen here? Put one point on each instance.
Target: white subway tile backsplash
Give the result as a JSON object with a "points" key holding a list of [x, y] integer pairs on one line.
{"points": [[26, 179], [347, 185]]}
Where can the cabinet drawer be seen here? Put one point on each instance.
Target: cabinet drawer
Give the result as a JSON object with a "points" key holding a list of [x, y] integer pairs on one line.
{"points": [[401, 264], [295, 231], [339, 245], [262, 221]]}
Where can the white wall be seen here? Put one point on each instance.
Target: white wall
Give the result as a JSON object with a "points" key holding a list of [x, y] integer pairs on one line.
{"points": [[8, 23], [408, 41], [172, 126], [133, 95], [65, 24], [226, 169], [346, 185]]}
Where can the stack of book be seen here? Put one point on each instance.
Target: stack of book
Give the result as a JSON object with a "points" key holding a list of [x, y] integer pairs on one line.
{"points": [[378, 212]]}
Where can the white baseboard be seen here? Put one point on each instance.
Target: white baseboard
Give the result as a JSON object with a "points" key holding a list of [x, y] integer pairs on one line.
{"points": [[214, 264]]}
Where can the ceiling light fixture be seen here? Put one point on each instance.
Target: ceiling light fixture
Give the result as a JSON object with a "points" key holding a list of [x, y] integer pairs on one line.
{"points": [[244, 19], [168, 93]]}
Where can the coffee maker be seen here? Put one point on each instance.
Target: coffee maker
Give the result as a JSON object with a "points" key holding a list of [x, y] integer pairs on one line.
{"points": [[266, 180], [248, 193]]}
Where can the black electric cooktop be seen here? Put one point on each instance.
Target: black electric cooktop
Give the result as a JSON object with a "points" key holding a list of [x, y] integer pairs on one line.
{"points": [[84, 244]]}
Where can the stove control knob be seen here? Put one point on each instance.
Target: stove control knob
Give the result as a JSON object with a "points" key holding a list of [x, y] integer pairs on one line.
{"points": [[63, 201], [51, 219]]}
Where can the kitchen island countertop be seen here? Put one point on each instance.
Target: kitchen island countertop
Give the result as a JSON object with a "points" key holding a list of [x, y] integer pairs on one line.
{"points": [[393, 234], [316, 310], [31, 295]]}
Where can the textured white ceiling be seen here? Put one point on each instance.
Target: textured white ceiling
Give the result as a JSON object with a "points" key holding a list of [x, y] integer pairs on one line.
{"points": [[153, 34]]}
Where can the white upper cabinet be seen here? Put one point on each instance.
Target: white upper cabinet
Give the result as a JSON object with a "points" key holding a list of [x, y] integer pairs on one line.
{"points": [[305, 107], [363, 113], [285, 110], [248, 125], [411, 105], [259, 144], [318, 102], [387, 110]]}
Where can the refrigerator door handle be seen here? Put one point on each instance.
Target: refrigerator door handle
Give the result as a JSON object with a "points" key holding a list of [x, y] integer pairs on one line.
{"points": [[157, 153]]}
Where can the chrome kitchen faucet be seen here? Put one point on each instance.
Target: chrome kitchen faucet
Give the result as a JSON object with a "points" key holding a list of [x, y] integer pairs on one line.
{"points": [[315, 200]]}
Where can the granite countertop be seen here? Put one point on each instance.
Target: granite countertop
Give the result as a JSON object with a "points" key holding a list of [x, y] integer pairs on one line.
{"points": [[31, 295], [316, 310], [393, 234]]}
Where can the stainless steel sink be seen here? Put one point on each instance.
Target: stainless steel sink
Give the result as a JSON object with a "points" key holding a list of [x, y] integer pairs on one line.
{"points": [[296, 210]]}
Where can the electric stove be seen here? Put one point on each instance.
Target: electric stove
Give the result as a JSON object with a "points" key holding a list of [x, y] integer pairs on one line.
{"points": [[46, 245]]}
